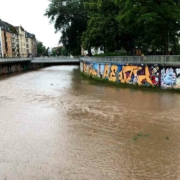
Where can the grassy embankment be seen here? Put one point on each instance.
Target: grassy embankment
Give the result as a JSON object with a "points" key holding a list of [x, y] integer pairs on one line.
{"points": [[105, 82]]}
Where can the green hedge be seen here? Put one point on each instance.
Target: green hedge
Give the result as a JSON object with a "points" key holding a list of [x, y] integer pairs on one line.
{"points": [[123, 53]]}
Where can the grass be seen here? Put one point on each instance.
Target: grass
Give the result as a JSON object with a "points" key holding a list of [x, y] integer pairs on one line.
{"points": [[140, 135], [105, 82]]}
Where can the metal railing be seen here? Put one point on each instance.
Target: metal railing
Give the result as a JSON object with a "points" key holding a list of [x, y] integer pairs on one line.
{"points": [[56, 58], [39, 59], [16, 59], [135, 59], [161, 59]]}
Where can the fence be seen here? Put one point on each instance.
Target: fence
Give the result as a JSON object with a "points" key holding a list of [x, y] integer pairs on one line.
{"points": [[119, 59], [56, 58], [135, 59], [8, 60]]}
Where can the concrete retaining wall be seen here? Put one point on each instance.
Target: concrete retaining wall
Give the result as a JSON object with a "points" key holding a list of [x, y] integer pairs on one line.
{"points": [[141, 74], [17, 67]]}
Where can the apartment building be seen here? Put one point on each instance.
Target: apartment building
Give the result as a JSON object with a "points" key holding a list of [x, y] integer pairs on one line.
{"points": [[31, 45], [7, 31], [15, 45], [15, 41], [22, 41], [1, 49]]}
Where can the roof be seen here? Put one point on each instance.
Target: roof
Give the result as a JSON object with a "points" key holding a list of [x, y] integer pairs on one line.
{"points": [[17, 27], [29, 35], [7, 27]]}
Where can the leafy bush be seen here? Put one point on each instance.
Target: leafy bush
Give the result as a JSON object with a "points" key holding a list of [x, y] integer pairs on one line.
{"points": [[117, 53]]}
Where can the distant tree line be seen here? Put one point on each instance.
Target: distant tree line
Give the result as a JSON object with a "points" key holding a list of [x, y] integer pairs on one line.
{"points": [[41, 49], [151, 25], [61, 51]]}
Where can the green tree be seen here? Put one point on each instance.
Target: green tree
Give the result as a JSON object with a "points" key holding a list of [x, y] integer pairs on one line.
{"points": [[57, 51], [69, 17], [41, 49], [116, 24], [102, 27], [64, 52], [154, 24]]}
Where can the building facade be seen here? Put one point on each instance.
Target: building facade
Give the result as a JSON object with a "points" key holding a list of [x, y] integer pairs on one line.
{"points": [[7, 31], [31, 46], [1, 49], [15, 41], [15, 45], [22, 41]]}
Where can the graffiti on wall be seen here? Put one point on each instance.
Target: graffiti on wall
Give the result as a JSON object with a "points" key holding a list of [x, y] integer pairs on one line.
{"points": [[170, 78], [141, 75], [131, 74]]}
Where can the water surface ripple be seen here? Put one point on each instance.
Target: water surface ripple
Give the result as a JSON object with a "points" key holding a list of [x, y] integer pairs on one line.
{"points": [[56, 126]]}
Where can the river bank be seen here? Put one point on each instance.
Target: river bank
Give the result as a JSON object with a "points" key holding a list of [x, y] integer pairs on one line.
{"points": [[105, 82]]}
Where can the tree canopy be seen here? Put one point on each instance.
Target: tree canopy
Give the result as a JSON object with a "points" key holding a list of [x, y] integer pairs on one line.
{"points": [[152, 25], [70, 18], [41, 49], [155, 23]]}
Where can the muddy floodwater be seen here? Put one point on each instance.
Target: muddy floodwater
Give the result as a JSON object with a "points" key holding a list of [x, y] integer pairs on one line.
{"points": [[54, 125]]}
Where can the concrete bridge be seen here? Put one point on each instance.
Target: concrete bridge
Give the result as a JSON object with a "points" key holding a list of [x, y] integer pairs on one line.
{"points": [[41, 60], [161, 59], [56, 60]]}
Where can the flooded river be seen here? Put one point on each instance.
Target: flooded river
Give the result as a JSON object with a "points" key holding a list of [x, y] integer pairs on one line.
{"points": [[56, 126]]}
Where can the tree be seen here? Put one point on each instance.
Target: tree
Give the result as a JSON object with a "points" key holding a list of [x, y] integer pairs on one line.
{"points": [[41, 49], [155, 24], [116, 24], [102, 27], [69, 17], [64, 52]]}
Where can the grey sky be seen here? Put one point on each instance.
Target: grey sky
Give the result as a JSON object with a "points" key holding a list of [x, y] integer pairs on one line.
{"points": [[30, 15]]}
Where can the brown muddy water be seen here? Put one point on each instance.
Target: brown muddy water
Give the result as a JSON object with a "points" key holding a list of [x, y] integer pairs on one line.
{"points": [[56, 126]]}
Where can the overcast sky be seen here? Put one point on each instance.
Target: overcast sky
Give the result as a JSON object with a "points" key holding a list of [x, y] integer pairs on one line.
{"points": [[30, 15]]}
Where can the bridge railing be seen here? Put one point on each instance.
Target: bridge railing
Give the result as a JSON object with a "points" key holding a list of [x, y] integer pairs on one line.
{"points": [[56, 58], [16, 59], [135, 59]]}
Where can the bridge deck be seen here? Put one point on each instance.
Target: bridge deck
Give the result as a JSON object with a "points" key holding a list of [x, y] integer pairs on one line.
{"points": [[50, 60], [55, 60]]}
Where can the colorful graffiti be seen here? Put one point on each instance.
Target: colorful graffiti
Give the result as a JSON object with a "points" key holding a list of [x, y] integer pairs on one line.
{"points": [[131, 74], [170, 78]]}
